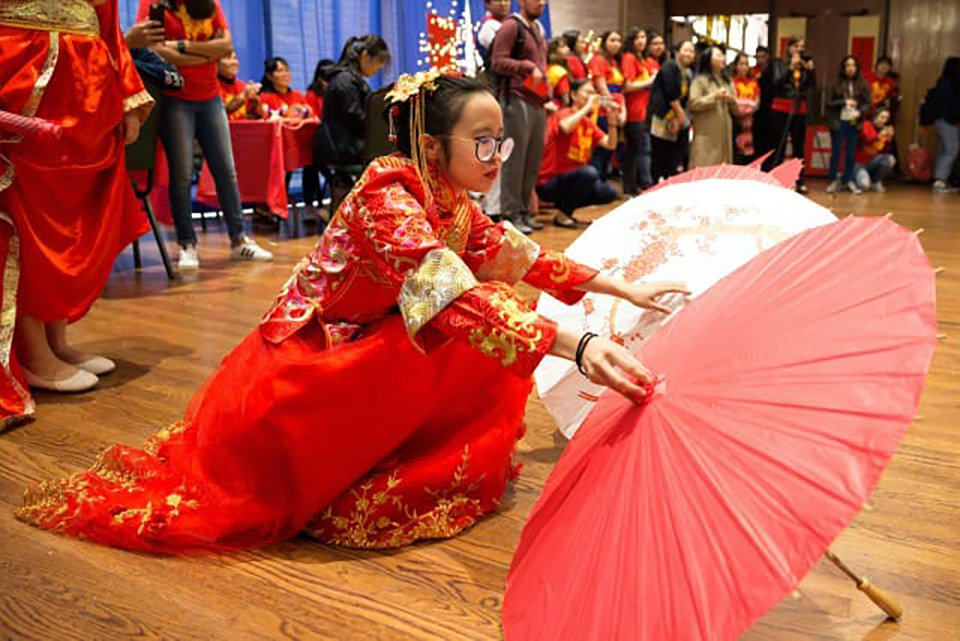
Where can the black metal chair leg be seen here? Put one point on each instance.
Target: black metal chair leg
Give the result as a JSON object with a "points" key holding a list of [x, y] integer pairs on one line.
{"points": [[137, 263], [161, 245]]}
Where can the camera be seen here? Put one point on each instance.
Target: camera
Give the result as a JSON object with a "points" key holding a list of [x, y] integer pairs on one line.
{"points": [[805, 57]]}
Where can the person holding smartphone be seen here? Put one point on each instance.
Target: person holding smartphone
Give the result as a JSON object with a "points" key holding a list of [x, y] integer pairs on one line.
{"points": [[197, 36]]}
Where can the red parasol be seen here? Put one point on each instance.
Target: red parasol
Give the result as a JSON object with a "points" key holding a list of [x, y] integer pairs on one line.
{"points": [[27, 126], [781, 394]]}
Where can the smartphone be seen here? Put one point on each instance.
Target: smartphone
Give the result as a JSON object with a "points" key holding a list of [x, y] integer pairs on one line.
{"points": [[156, 13]]}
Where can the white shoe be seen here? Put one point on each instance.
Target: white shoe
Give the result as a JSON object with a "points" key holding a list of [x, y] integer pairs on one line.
{"points": [[833, 187], [943, 187], [852, 186], [79, 381], [250, 250], [97, 365], [879, 188], [189, 261]]}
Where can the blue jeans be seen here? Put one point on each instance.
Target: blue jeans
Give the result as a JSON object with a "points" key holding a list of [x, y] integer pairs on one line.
{"points": [[948, 148], [579, 188], [846, 139], [876, 169], [181, 122], [601, 157]]}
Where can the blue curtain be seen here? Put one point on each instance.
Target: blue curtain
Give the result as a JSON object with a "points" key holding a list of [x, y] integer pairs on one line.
{"points": [[306, 31]]}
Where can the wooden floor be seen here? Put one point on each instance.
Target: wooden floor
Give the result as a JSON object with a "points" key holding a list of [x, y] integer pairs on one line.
{"points": [[168, 337]]}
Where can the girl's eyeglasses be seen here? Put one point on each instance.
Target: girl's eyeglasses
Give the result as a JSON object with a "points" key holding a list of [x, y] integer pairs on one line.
{"points": [[487, 147]]}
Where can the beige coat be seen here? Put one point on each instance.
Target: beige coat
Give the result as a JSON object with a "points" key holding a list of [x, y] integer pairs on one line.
{"points": [[712, 125]]}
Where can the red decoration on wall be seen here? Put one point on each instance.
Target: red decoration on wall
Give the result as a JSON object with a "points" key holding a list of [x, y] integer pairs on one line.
{"points": [[442, 42], [863, 48]]}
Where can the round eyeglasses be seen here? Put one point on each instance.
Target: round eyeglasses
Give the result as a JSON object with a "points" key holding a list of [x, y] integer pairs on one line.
{"points": [[487, 147]]}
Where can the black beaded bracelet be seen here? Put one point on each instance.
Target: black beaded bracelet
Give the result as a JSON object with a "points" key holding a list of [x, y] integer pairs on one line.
{"points": [[581, 348]]}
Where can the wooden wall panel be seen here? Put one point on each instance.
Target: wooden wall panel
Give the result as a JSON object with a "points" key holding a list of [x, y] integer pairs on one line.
{"points": [[606, 14], [922, 35]]}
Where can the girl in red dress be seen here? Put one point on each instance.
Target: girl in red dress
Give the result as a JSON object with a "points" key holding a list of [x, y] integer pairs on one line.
{"points": [[66, 208], [381, 397]]}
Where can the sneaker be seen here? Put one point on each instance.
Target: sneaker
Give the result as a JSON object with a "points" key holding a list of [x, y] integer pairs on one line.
{"points": [[189, 262], [833, 187], [248, 249], [879, 188], [852, 187], [802, 189], [943, 187]]}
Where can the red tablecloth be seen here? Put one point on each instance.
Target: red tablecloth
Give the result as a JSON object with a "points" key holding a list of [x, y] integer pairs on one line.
{"points": [[263, 151]]}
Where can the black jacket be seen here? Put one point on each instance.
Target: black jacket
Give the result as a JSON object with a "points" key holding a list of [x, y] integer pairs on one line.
{"points": [[946, 95], [340, 137], [667, 87], [840, 92], [783, 85]]}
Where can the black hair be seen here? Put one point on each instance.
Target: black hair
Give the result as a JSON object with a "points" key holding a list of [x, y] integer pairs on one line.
{"points": [[706, 63], [553, 46], [761, 49], [571, 37], [321, 76], [951, 70], [269, 67], [736, 61], [200, 9], [375, 47], [629, 46], [576, 85], [886, 59], [842, 75], [442, 109], [653, 34], [603, 44]]}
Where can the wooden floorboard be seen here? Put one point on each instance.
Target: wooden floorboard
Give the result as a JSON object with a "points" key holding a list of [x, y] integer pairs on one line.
{"points": [[167, 337]]}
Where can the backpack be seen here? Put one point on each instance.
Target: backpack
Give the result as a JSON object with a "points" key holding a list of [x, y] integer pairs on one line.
{"points": [[498, 82]]}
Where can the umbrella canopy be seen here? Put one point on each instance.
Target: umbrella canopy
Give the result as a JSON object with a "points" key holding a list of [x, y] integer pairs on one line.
{"points": [[781, 394], [694, 228]]}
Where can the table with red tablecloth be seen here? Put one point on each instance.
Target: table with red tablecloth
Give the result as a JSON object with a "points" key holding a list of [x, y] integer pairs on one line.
{"points": [[263, 152]]}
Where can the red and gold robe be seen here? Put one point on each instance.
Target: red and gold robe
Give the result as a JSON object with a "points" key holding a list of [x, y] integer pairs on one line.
{"points": [[66, 208], [378, 402]]}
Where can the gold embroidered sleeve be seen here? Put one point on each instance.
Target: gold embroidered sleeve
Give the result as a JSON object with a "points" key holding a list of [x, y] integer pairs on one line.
{"points": [[441, 278], [514, 257], [559, 276], [495, 321]]}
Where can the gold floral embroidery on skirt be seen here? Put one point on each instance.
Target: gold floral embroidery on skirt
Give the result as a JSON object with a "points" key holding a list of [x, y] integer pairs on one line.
{"points": [[384, 519], [73, 16]]}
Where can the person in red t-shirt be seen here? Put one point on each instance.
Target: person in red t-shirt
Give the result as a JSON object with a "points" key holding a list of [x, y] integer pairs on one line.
{"points": [[607, 75], [884, 91], [279, 100], [579, 45], [197, 37], [639, 72], [241, 99], [566, 178], [746, 87], [874, 158]]}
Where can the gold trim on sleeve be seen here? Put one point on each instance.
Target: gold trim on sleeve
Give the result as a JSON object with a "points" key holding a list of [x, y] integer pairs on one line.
{"points": [[141, 101], [8, 320], [441, 278], [511, 263]]}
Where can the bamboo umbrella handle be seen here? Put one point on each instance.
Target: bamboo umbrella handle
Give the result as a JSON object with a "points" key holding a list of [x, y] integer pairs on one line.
{"points": [[882, 600]]}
